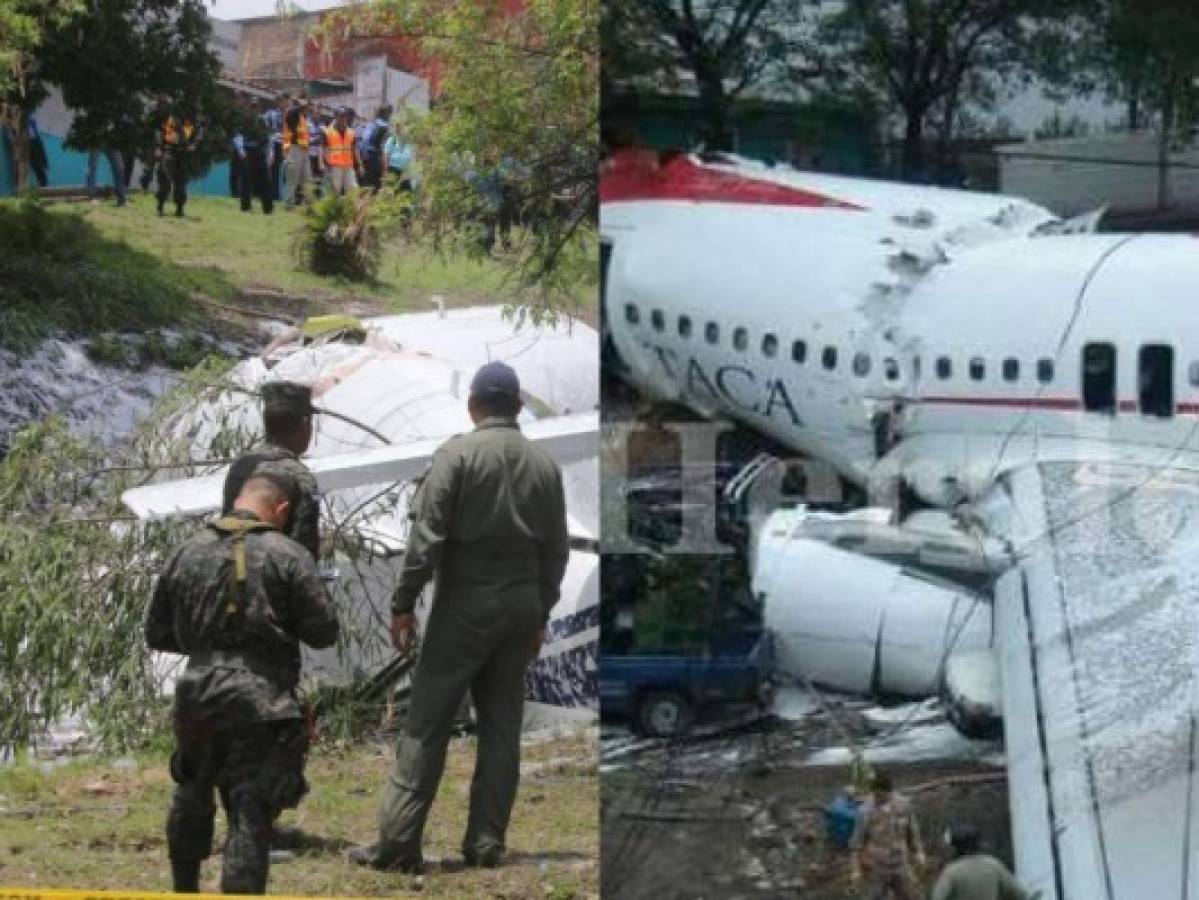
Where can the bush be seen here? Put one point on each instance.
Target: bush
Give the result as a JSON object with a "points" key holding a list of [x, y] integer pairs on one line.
{"points": [[340, 237]]}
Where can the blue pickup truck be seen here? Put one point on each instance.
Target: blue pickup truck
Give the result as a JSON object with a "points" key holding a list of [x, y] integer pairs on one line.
{"points": [[662, 694]]}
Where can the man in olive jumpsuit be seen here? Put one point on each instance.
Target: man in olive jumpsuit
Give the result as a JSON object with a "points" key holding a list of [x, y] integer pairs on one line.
{"points": [[237, 600], [287, 412], [489, 527]]}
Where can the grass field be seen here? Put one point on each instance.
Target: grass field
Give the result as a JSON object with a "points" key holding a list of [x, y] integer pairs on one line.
{"points": [[96, 825], [89, 269], [255, 251]]}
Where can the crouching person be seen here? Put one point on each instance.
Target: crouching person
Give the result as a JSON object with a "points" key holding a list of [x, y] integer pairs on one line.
{"points": [[237, 600]]}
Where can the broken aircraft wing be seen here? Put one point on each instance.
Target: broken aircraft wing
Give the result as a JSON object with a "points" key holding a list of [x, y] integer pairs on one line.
{"points": [[1098, 631], [567, 439]]}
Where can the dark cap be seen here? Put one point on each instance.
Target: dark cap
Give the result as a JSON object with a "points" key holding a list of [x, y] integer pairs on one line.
{"points": [[495, 379], [963, 837], [287, 398]]}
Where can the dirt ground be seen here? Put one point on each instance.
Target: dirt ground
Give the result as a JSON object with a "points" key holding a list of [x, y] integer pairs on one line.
{"points": [[738, 816]]}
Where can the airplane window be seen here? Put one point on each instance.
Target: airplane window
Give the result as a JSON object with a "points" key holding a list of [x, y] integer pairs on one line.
{"points": [[978, 369], [658, 319], [684, 326], [632, 315], [1194, 374], [770, 345], [1011, 369], [799, 351], [712, 333], [861, 364], [1044, 370], [944, 367], [891, 369], [740, 338], [1155, 380], [829, 358], [1099, 378]]}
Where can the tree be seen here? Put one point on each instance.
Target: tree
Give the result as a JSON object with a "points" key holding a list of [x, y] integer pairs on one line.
{"points": [[929, 60], [116, 61], [517, 103], [1143, 51], [24, 26], [724, 47]]}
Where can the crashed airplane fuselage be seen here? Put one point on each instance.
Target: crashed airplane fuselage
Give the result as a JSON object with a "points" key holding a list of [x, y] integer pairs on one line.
{"points": [[944, 348]]}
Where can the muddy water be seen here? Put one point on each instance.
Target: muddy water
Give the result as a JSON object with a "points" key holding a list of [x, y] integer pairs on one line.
{"points": [[98, 399], [59, 377]]}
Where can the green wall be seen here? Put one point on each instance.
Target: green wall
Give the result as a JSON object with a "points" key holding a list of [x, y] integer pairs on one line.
{"points": [[823, 135]]}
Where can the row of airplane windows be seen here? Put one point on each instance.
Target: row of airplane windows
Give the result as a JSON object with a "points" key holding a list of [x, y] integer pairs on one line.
{"points": [[1155, 362], [861, 364]]}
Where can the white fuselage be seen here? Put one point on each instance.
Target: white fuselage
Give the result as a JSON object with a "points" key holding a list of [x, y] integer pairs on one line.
{"points": [[966, 337], [960, 351]]}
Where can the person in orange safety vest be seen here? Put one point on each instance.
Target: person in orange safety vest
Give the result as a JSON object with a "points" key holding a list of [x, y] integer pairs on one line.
{"points": [[295, 151], [176, 139], [341, 155]]}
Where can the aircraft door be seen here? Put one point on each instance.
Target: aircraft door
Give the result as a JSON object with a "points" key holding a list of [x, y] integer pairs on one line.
{"points": [[1155, 380], [1099, 378]]}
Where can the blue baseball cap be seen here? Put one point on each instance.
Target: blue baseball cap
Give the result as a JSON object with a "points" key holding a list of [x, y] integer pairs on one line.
{"points": [[495, 379]]}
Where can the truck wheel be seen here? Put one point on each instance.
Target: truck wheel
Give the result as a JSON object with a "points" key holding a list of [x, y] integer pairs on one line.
{"points": [[664, 714]]}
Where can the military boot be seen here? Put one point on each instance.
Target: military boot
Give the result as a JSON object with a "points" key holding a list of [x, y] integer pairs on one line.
{"points": [[487, 858], [376, 858], [185, 873]]}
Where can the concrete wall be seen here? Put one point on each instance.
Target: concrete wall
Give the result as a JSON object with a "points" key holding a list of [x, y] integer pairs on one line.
{"points": [[226, 43], [1073, 175], [377, 85], [274, 48]]}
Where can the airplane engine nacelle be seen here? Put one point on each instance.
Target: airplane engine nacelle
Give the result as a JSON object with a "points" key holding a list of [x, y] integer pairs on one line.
{"points": [[862, 625]]}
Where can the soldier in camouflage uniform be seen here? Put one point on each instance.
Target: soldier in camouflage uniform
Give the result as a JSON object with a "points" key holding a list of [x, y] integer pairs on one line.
{"points": [[237, 600], [287, 412], [885, 840], [489, 525]]}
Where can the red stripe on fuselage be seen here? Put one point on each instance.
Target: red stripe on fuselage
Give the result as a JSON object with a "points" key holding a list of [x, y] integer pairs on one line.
{"points": [[644, 175], [1067, 404]]}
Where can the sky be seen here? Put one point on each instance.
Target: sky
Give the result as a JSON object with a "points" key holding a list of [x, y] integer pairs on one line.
{"points": [[245, 9]]}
